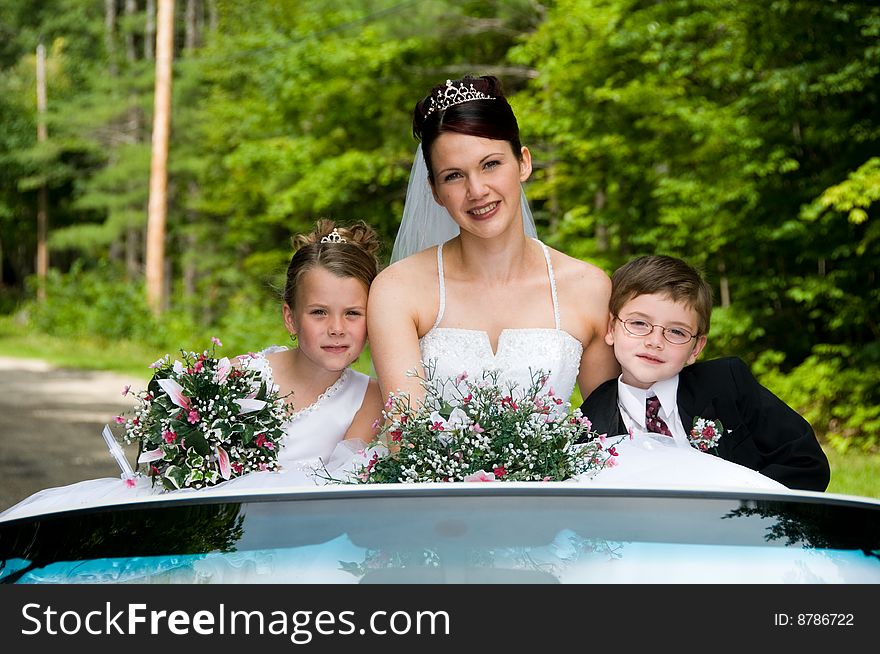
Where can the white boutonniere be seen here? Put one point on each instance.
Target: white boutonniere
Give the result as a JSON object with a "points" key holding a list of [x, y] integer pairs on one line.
{"points": [[705, 434]]}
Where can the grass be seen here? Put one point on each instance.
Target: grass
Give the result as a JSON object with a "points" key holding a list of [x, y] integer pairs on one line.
{"points": [[82, 353], [89, 353], [853, 473]]}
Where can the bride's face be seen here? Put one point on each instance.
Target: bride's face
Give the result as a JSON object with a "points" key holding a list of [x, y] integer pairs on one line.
{"points": [[478, 181]]}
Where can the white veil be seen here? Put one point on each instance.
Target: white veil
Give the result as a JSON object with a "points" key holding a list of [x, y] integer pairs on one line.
{"points": [[425, 223]]}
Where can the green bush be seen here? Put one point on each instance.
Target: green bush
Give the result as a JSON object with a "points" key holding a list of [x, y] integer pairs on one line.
{"points": [[834, 390], [10, 300], [249, 326], [90, 302], [86, 303]]}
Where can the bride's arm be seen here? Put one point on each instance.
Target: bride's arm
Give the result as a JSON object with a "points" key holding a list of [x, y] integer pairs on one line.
{"points": [[592, 291], [392, 326]]}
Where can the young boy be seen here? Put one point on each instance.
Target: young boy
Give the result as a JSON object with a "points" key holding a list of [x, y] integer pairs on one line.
{"points": [[660, 308]]}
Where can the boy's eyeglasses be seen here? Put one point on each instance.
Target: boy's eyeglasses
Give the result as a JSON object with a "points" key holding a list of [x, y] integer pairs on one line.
{"points": [[675, 335]]}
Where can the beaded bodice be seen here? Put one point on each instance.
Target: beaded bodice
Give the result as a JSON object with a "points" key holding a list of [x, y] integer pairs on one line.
{"points": [[520, 352]]}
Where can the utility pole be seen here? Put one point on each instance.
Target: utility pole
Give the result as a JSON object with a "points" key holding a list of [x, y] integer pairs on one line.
{"points": [[42, 193], [158, 202]]}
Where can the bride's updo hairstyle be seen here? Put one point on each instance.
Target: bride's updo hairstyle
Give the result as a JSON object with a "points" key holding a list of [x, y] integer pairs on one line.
{"points": [[344, 251], [475, 106]]}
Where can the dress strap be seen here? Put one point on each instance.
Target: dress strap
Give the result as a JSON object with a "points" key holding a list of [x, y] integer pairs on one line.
{"points": [[552, 284], [442, 307]]}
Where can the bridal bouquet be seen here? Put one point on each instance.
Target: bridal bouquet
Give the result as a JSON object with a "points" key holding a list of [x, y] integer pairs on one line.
{"points": [[202, 420], [482, 430]]}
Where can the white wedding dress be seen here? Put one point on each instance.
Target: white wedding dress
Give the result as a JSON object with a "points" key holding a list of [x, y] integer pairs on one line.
{"points": [[520, 353], [312, 440]]}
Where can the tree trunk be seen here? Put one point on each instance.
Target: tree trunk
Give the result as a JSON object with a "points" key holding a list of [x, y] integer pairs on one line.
{"points": [[723, 283], [42, 195], [192, 38], [133, 253], [134, 122], [189, 260], [601, 230], [157, 208], [130, 11], [116, 246], [150, 31], [213, 18]]}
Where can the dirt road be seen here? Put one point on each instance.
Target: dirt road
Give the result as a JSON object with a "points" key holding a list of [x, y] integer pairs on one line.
{"points": [[50, 425]]}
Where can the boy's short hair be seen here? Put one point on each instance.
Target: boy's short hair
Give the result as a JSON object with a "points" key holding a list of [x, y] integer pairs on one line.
{"points": [[665, 275]]}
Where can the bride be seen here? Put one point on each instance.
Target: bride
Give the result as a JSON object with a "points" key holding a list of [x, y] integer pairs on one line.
{"points": [[470, 288], [491, 295]]}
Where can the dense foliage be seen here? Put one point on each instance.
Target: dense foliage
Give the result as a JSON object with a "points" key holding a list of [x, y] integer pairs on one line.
{"points": [[740, 134]]}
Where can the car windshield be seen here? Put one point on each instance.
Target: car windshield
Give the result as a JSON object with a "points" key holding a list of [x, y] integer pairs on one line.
{"points": [[544, 534]]}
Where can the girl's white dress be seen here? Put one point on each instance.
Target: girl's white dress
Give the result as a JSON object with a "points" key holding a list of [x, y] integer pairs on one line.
{"points": [[313, 437]]}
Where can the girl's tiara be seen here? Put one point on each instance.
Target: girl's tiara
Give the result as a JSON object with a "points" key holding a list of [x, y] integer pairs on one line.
{"points": [[333, 237]]}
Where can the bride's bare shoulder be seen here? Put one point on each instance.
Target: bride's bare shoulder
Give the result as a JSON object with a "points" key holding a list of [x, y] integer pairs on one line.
{"points": [[578, 272], [399, 291], [413, 272]]}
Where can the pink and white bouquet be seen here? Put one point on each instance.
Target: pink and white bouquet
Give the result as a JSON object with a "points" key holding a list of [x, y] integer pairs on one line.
{"points": [[483, 430], [203, 420]]}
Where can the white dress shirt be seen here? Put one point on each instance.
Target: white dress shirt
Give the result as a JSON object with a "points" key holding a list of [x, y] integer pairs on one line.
{"points": [[631, 402]]}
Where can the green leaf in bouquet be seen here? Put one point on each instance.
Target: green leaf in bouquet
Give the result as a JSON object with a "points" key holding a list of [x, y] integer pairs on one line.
{"points": [[194, 460], [262, 392], [176, 475], [153, 385], [195, 440], [248, 434]]}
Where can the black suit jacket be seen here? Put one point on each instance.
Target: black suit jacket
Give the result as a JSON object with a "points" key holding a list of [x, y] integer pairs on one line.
{"points": [[764, 433]]}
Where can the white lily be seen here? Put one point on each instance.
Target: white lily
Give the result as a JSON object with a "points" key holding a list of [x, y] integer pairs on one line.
{"points": [[151, 455], [224, 367], [248, 405], [175, 392]]}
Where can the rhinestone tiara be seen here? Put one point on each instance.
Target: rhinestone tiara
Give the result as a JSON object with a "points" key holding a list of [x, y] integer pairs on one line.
{"points": [[333, 237], [454, 93]]}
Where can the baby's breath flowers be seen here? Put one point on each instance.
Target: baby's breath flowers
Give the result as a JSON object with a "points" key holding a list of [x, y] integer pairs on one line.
{"points": [[203, 420], [482, 430]]}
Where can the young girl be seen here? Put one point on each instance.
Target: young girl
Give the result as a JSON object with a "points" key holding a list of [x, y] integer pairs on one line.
{"points": [[324, 310]]}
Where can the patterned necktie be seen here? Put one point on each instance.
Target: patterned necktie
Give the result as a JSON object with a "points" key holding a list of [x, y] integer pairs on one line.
{"points": [[653, 421]]}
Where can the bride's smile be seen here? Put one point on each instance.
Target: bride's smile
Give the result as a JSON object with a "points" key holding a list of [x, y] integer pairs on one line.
{"points": [[482, 211]]}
